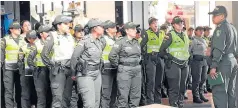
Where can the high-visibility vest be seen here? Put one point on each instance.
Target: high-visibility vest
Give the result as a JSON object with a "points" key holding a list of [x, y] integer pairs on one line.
{"points": [[107, 49], [39, 47], [154, 42], [63, 47], [26, 50], [179, 48], [12, 49]]}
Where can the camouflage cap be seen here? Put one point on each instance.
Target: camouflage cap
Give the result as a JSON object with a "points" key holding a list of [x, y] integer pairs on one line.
{"points": [[177, 19], [130, 25], [94, 22], [109, 24], [62, 19], [219, 10], [15, 25], [44, 28], [31, 34], [78, 28]]}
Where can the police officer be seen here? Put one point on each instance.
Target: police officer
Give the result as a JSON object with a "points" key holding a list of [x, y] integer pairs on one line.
{"points": [[207, 38], [177, 45], [198, 66], [41, 73], [152, 40], [109, 72], [88, 52], [56, 54], [126, 56], [27, 82], [10, 45], [190, 32], [223, 48], [78, 33]]}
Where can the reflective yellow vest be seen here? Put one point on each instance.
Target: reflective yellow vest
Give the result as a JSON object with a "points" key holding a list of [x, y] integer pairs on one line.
{"points": [[39, 47], [63, 47], [154, 42], [26, 50], [12, 49], [179, 48], [107, 49]]}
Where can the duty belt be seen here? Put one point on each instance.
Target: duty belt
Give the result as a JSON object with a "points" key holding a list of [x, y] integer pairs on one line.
{"points": [[129, 63], [179, 62], [93, 67]]}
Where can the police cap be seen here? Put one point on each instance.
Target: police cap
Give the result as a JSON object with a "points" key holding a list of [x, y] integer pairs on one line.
{"points": [[44, 28], [78, 28], [62, 19], [206, 28], [109, 24], [219, 10], [152, 19], [31, 34], [130, 25], [199, 28], [15, 25], [94, 23], [177, 19]]}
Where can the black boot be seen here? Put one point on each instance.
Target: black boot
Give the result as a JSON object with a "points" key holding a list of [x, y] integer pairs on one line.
{"points": [[203, 98], [197, 100]]}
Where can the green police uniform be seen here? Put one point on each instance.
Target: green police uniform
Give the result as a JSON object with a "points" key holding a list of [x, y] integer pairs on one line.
{"points": [[223, 51], [41, 74], [89, 82], [126, 55], [9, 53], [176, 58], [199, 67], [108, 95], [56, 54]]}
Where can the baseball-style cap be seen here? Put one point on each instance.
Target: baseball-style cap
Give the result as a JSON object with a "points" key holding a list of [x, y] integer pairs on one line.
{"points": [[207, 28], [163, 26], [152, 19], [177, 19], [78, 28], [31, 34], [44, 28], [94, 22], [109, 24], [130, 25], [62, 19], [15, 25], [199, 28], [219, 10]]}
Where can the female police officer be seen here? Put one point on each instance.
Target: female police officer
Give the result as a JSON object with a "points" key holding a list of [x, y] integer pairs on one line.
{"points": [[126, 55], [199, 65], [177, 56], [88, 52]]}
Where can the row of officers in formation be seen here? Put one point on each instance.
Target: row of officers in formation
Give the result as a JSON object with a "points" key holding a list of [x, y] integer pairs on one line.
{"points": [[116, 69]]}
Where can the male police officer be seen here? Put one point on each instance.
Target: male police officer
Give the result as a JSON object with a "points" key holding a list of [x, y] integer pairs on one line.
{"points": [[10, 46], [88, 52], [177, 46], [56, 54], [154, 64], [223, 48], [198, 66], [109, 72], [126, 55]]}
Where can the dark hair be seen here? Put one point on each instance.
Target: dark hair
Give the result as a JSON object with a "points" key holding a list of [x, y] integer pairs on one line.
{"points": [[26, 40], [22, 22]]}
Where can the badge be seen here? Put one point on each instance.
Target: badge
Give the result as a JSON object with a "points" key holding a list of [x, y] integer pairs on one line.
{"points": [[218, 32]]}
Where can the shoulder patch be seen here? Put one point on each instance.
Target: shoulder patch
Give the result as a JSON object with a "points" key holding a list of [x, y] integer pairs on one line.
{"points": [[218, 32]]}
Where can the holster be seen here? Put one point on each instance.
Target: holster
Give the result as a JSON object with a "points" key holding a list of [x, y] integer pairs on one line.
{"points": [[81, 66]]}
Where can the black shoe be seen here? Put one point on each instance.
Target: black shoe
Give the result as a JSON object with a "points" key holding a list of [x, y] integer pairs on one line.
{"points": [[185, 98], [209, 90], [203, 98], [197, 100]]}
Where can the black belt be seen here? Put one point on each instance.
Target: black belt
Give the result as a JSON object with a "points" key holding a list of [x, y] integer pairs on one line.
{"points": [[129, 63], [198, 57], [179, 62], [93, 67]]}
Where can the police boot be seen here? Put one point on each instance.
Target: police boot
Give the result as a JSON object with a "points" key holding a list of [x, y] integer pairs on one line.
{"points": [[203, 98], [197, 100]]}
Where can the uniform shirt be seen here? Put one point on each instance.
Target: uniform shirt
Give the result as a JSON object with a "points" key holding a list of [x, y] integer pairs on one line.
{"points": [[3, 46], [223, 41], [47, 50], [167, 42], [88, 49], [125, 50], [32, 55], [145, 40], [198, 46]]}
